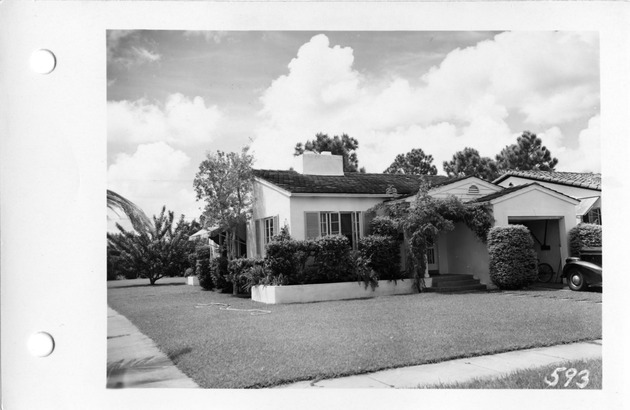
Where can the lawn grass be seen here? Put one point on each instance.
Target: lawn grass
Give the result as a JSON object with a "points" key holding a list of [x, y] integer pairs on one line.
{"points": [[535, 378], [234, 349]]}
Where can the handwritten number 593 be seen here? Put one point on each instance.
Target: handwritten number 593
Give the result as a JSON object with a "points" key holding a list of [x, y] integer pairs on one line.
{"points": [[570, 375]]}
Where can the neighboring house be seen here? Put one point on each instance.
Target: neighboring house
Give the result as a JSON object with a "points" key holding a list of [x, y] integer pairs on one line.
{"points": [[317, 198], [216, 237]]}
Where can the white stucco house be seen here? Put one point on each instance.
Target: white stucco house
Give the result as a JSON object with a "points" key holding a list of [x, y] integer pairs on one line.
{"points": [[317, 198]]}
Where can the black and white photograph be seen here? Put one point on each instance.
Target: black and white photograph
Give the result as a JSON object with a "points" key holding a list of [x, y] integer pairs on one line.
{"points": [[341, 209], [313, 204]]}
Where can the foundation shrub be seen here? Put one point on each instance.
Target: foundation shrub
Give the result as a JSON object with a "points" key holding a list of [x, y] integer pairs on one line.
{"points": [[584, 235], [239, 272], [382, 254], [202, 267], [219, 273], [332, 259], [287, 259], [512, 257]]}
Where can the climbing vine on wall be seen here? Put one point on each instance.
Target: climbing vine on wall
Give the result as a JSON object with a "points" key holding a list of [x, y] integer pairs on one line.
{"points": [[425, 217]]}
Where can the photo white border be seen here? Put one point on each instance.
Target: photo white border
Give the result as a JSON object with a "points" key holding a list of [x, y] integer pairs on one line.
{"points": [[53, 167]]}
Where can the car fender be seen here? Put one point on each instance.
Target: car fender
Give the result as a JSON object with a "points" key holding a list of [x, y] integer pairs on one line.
{"points": [[587, 268]]}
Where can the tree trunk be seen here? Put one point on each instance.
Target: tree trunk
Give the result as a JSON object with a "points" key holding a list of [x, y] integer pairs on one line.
{"points": [[231, 256]]}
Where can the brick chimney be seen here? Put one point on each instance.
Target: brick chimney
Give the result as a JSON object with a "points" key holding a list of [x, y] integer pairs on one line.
{"points": [[312, 163]]}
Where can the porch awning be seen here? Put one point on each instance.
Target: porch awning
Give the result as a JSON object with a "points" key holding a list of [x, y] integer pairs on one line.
{"points": [[204, 233], [585, 205]]}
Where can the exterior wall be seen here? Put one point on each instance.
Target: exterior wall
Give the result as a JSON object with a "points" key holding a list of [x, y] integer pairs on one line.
{"points": [[302, 204], [464, 254], [268, 202], [575, 192], [330, 291]]}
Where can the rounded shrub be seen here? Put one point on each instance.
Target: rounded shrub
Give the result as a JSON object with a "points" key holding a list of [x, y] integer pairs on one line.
{"points": [[383, 226], [513, 262], [332, 258], [286, 258], [584, 235], [382, 254]]}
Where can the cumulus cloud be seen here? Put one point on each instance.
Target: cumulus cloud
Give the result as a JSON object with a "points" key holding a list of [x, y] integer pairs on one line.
{"points": [[586, 157], [545, 78], [151, 177], [179, 121]]}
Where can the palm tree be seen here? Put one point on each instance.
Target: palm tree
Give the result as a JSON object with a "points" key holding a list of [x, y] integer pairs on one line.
{"points": [[139, 220]]}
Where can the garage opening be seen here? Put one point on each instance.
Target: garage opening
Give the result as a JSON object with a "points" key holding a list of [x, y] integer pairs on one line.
{"points": [[545, 232]]}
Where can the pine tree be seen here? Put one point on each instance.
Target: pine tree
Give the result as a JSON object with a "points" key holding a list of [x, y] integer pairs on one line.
{"points": [[469, 163], [527, 154], [415, 162]]}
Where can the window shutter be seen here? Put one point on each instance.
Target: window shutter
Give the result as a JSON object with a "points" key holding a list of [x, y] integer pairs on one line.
{"points": [[312, 225], [258, 237], [367, 218], [276, 225]]}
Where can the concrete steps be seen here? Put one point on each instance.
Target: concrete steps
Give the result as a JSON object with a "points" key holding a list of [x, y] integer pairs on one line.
{"points": [[455, 283]]}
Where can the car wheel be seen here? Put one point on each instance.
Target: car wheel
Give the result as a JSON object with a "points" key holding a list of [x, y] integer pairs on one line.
{"points": [[575, 279]]}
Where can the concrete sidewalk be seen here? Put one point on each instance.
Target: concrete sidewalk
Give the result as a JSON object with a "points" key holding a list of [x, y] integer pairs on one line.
{"points": [[461, 370], [133, 360]]}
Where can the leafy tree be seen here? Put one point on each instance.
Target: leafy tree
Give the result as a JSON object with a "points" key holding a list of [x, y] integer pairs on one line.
{"points": [[469, 163], [527, 154], [137, 217], [344, 146], [159, 251], [225, 183], [415, 162]]}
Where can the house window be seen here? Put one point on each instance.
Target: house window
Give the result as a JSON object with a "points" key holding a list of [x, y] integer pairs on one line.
{"points": [[266, 228], [473, 190], [320, 224], [269, 230], [594, 216]]}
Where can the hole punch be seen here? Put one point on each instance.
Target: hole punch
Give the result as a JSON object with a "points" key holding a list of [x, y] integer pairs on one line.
{"points": [[43, 61], [41, 344]]}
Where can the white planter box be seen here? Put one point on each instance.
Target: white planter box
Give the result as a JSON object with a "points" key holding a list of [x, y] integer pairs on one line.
{"points": [[192, 280], [329, 291]]}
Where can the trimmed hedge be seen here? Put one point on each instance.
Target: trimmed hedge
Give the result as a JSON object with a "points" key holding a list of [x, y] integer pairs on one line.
{"points": [[513, 261], [287, 258], [382, 254], [584, 235], [332, 259]]}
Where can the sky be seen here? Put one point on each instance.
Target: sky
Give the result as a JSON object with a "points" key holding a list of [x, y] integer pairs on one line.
{"points": [[174, 96]]}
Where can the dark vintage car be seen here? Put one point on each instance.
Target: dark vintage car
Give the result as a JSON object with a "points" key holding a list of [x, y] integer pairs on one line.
{"points": [[584, 271]]}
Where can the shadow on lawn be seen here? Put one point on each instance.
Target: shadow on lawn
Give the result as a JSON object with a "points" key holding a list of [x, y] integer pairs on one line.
{"points": [[179, 352], [145, 285]]}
